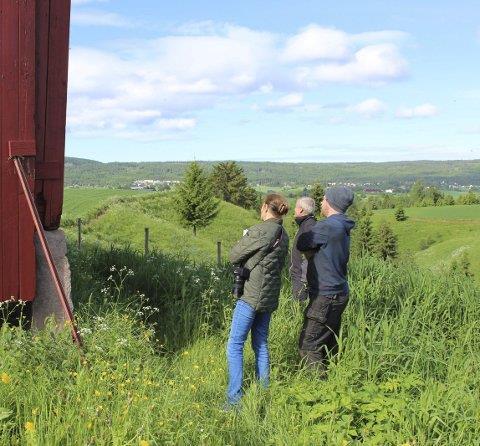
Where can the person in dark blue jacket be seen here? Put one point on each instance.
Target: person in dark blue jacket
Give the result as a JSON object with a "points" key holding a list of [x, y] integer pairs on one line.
{"points": [[328, 248]]}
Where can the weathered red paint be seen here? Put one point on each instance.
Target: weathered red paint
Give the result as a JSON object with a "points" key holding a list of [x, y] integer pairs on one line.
{"points": [[33, 90]]}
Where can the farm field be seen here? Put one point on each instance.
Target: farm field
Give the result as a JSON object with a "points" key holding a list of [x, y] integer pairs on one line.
{"points": [[435, 236], [79, 202]]}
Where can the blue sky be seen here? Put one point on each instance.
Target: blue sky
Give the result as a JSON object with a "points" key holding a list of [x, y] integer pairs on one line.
{"points": [[274, 80]]}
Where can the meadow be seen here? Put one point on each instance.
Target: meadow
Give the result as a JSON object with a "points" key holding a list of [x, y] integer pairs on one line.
{"points": [[154, 372], [122, 221], [80, 202], [435, 236]]}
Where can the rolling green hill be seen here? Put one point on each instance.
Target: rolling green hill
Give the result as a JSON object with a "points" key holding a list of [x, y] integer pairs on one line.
{"points": [[122, 222], [79, 202], [435, 236]]}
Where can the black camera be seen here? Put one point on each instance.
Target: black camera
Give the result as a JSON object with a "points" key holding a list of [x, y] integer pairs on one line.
{"points": [[240, 276]]}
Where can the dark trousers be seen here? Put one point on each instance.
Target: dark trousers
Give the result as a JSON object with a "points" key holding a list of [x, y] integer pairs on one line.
{"points": [[321, 327]]}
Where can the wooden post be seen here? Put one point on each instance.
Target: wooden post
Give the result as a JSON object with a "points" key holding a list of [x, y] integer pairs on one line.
{"points": [[146, 240], [219, 253], [79, 234]]}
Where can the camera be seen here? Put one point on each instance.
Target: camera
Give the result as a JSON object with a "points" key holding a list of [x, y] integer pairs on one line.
{"points": [[240, 275]]}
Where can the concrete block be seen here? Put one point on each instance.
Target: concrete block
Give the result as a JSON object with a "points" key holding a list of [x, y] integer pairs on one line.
{"points": [[47, 304]]}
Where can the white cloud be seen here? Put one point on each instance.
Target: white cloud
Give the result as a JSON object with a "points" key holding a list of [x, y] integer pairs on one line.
{"points": [[286, 102], [368, 108], [420, 111], [373, 64], [100, 18], [137, 85], [317, 43]]}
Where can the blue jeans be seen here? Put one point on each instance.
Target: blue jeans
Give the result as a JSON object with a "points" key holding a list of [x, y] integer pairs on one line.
{"points": [[245, 318]]}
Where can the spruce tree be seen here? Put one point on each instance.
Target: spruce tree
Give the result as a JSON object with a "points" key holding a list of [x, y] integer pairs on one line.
{"points": [[317, 193], [230, 184], [197, 205], [362, 236], [400, 214], [386, 242]]}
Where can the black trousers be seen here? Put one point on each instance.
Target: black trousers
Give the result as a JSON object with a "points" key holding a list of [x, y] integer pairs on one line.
{"points": [[321, 327]]}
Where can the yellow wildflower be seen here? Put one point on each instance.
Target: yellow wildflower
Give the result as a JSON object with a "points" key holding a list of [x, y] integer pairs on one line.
{"points": [[29, 426], [5, 378], [98, 393], [35, 411], [143, 443]]}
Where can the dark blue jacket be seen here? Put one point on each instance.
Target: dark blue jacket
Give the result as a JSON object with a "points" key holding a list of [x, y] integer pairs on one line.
{"points": [[327, 268]]}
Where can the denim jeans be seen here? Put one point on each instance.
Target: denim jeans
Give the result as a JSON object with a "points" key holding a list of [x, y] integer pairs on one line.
{"points": [[245, 318]]}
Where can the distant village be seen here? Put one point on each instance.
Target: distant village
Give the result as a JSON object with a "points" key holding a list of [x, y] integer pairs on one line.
{"points": [[153, 184], [369, 188]]}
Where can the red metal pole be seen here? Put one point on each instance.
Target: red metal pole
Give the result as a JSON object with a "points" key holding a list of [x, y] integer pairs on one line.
{"points": [[46, 250]]}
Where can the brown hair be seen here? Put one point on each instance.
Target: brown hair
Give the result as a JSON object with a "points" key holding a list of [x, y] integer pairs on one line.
{"points": [[277, 203]]}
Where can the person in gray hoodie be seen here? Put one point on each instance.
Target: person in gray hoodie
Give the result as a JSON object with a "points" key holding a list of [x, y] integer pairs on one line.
{"points": [[329, 240]]}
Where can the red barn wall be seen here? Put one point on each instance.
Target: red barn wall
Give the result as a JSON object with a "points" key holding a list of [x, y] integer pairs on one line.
{"points": [[33, 89]]}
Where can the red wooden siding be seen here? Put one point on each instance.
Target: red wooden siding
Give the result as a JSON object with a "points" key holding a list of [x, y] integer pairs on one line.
{"points": [[33, 88], [53, 20]]}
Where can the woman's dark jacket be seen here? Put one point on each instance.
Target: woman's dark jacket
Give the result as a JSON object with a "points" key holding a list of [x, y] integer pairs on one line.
{"points": [[256, 252]]}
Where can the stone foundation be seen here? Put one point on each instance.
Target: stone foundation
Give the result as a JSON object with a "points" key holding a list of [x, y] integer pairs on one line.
{"points": [[47, 303]]}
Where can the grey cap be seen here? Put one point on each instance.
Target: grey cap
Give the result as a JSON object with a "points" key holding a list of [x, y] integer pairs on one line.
{"points": [[340, 198]]}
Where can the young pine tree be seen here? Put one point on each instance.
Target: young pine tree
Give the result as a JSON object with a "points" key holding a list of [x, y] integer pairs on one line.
{"points": [[197, 205], [386, 242], [362, 236], [317, 192], [400, 214]]}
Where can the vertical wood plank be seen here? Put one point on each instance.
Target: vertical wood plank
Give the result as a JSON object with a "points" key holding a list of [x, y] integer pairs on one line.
{"points": [[58, 45], [10, 128], [26, 132]]}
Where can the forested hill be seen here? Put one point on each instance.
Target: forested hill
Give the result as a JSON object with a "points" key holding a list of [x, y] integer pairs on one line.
{"points": [[83, 172]]}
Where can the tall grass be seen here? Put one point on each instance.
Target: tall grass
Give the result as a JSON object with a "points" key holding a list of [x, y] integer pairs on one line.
{"points": [[154, 368]]}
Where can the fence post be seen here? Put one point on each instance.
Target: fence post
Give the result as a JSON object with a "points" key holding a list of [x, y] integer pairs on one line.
{"points": [[79, 233], [219, 253], [146, 240]]}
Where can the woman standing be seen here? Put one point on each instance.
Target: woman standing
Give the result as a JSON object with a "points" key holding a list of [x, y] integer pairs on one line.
{"points": [[258, 258]]}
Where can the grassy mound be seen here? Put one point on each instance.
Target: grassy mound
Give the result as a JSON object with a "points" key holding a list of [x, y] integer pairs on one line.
{"points": [[154, 369], [437, 235], [122, 222]]}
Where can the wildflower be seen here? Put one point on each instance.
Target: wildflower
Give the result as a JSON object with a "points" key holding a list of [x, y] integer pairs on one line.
{"points": [[185, 353], [35, 411], [5, 378], [29, 426], [97, 393], [143, 443]]}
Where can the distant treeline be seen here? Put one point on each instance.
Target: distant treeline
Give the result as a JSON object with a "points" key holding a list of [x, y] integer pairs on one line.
{"points": [[82, 172], [418, 196]]}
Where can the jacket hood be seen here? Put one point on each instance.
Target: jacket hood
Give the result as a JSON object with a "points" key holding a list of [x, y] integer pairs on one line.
{"points": [[347, 222]]}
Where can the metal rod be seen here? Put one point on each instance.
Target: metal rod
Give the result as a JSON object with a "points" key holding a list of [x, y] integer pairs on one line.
{"points": [[79, 234], [219, 253], [46, 250], [146, 240]]}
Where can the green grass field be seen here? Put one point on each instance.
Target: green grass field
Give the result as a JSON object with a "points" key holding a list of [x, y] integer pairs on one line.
{"points": [[435, 236], [123, 223], [79, 202], [154, 369]]}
